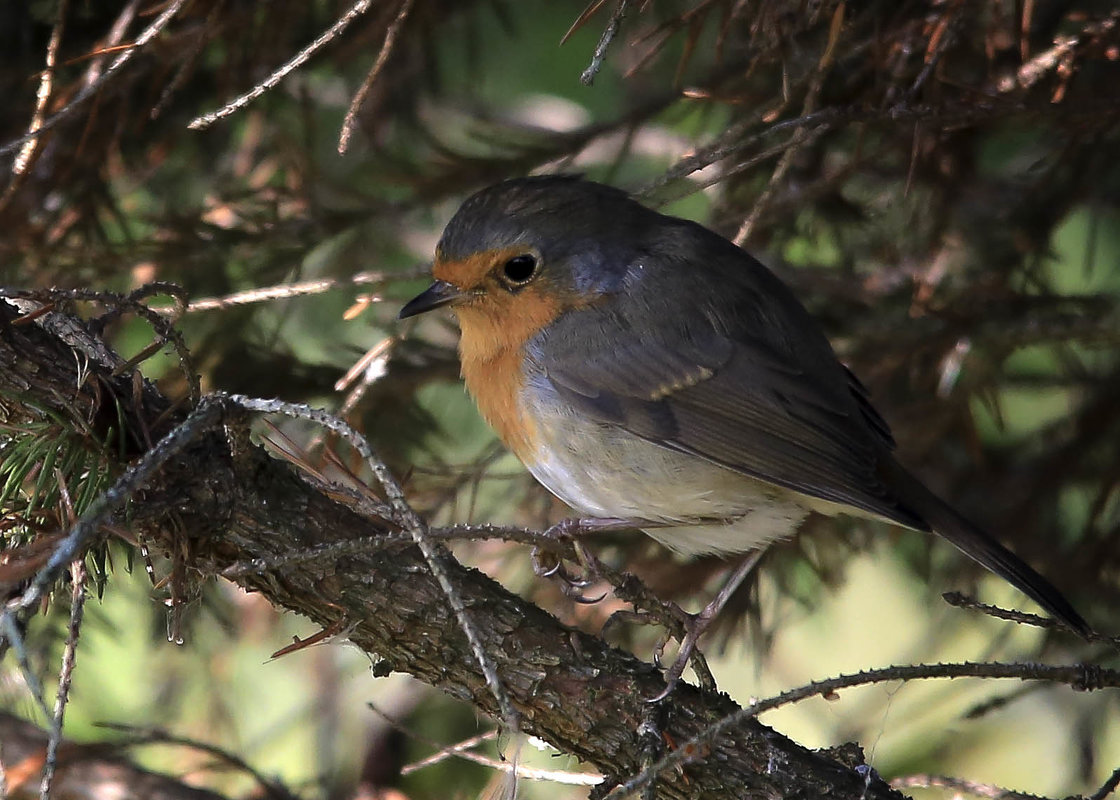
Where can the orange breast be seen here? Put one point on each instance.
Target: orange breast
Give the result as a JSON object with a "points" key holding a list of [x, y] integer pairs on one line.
{"points": [[492, 353], [496, 385]]}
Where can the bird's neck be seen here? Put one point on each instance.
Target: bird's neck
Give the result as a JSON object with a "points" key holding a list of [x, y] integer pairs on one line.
{"points": [[492, 353]]}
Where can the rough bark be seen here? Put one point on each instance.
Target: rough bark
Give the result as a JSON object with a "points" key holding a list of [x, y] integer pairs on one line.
{"points": [[222, 504]]}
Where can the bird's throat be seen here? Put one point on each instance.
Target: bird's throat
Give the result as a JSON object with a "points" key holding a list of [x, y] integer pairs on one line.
{"points": [[491, 351]]}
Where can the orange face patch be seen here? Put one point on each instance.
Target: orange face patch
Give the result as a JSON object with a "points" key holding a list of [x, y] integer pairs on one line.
{"points": [[471, 272], [496, 323]]}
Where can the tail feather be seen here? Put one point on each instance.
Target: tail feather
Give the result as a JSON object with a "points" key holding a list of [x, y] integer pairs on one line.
{"points": [[981, 547]]}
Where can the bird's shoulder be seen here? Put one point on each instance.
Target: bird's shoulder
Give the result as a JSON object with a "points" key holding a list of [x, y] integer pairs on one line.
{"points": [[695, 301]]}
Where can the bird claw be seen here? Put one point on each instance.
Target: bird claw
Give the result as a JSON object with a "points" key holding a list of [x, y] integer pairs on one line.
{"points": [[573, 580], [659, 649], [550, 565], [586, 601], [569, 531], [687, 654], [679, 624], [537, 558]]}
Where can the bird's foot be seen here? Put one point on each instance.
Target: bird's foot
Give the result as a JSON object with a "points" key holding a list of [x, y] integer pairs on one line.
{"points": [[563, 542], [680, 625], [685, 627], [694, 626]]}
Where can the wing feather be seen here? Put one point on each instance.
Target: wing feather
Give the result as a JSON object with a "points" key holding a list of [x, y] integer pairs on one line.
{"points": [[750, 386]]}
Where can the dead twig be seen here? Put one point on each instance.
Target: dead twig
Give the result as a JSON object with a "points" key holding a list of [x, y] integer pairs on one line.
{"points": [[587, 77], [88, 90], [295, 62], [359, 98]]}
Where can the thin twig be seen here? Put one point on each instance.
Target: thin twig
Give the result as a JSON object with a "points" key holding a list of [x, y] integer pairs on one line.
{"points": [[801, 136], [11, 636], [110, 44], [1108, 787], [287, 290], [66, 674], [413, 523], [587, 13], [364, 544], [42, 96], [359, 99], [462, 750], [944, 34], [443, 752], [178, 308], [958, 785], [298, 60], [1033, 71], [88, 90], [509, 533], [799, 139], [1020, 617], [188, 62], [588, 75], [1083, 677], [145, 736], [732, 142], [368, 544], [365, 372]]}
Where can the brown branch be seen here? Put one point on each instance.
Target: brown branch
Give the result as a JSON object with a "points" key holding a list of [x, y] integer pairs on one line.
{"points": [[571, 689]]}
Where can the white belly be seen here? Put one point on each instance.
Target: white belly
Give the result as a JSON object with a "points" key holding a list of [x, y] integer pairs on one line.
{"points": [[696, 506]]}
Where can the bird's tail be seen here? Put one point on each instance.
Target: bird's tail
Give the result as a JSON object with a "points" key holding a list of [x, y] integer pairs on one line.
{"points": [[980, 546]]}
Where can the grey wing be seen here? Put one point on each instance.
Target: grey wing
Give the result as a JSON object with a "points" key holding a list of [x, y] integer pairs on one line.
{"points": [[747, 396]]}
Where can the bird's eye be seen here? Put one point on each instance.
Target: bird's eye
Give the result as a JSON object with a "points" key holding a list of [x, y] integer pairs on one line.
{"points": [[519, 270]]}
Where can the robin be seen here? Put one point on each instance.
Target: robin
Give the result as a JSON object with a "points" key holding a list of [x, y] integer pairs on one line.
{"points": [[644, 368]]}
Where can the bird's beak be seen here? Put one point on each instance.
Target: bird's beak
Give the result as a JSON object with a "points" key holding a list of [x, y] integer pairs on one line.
{"points": [[440, 293]]}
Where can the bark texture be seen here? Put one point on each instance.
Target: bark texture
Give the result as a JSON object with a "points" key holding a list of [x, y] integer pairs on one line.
{"points": [[224, 501]]}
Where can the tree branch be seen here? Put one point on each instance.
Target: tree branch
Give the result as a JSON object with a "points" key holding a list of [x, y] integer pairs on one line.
{"points": [[570, 689]]}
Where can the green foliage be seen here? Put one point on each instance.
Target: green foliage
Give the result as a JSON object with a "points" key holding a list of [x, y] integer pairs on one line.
{"points": [[41, 460]]}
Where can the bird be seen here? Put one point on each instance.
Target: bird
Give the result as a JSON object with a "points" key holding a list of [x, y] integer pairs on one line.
{"points": [[644, 368]]}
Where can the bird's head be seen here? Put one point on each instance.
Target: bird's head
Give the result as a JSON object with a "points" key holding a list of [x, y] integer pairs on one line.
{"points": [[519, 254]]}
